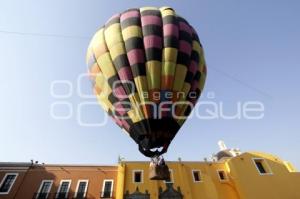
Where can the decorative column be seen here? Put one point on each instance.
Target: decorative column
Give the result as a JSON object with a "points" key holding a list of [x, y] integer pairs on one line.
{"points": [[120, 181]]}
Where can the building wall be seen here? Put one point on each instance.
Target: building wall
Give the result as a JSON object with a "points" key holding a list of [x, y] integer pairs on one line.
{"points": [[30, 180], [20, 171], [279, 184], [210, 186], [243, 179]]}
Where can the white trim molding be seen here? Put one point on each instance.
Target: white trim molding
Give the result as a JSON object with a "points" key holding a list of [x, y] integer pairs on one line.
{"points": [[265, 164], [199, 174], [12, 184], [41, 186], [142, 175], [85, 189], [60, 184], [224, 174], [111, 189]]}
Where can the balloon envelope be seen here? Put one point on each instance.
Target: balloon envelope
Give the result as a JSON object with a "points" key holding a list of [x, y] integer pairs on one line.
{"points": [[148, 71]]}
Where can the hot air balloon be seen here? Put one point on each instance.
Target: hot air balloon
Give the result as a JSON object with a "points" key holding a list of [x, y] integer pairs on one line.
{"points": [[148, 70]]}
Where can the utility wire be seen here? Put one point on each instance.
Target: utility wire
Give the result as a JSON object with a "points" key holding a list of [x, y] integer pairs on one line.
{"points": [[44, 35], [86, 37], [241, 82]]}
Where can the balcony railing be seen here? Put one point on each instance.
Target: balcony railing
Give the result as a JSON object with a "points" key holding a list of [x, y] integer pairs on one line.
{"points": [[107, 194], [40, 196], [79, 195]]}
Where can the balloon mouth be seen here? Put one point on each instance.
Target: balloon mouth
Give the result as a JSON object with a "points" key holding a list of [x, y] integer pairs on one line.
{"points": [[151, 153], [157, 149]]}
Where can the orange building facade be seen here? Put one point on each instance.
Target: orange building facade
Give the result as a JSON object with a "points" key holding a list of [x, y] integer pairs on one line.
{"points": [[26, 181]]}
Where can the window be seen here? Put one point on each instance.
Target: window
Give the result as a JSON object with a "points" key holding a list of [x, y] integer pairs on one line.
{"points": [[138, 176], [196, 175], [222, 175], [81, 189], [63, 189], [7, 182], [171, 177], [262, 166], [44, 189], [107, 189]]}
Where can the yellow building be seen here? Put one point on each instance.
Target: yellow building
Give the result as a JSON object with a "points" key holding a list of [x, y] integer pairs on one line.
{"points": [[232, 175], [229, 175]]}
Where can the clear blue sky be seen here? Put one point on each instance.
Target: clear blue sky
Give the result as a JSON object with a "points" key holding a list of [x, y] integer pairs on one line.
{"points": [[252, 52]]}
